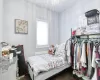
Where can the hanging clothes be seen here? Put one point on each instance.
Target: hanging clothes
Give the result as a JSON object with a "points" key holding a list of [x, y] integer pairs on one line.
{"points": [[75, 56], [72, 54], [89, 59], [92, 50], [78, 56], [98, 57], [94, 57], [83, 56], [69, 51], [93, 71], [83, 60]]}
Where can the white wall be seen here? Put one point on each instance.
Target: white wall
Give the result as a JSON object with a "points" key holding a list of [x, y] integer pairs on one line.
{"points": [[1, 20], [21, 9], [70, 17]]}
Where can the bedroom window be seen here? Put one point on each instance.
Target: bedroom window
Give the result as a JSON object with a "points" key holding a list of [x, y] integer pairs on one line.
{"points": [[42, 34]]}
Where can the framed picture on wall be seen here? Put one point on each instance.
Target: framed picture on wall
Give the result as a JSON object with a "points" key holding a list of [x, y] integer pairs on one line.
{"points": [[21, 26]]}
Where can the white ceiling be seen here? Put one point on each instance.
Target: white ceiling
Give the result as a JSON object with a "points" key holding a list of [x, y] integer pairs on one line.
{"points": [[55, 5]]}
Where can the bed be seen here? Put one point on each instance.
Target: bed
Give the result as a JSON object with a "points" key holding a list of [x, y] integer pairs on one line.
{"points": [[43, 66]]}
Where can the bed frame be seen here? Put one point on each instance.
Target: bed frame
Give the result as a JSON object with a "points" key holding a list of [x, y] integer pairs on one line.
{"points": [[46, 75]]}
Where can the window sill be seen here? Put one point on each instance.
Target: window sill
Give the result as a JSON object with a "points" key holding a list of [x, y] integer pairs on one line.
{"points": [[41, 52], [42, 46]]}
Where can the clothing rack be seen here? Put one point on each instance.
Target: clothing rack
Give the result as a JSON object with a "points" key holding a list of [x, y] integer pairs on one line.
{"points": [[88, 38], [91, 39], [84, 37]]}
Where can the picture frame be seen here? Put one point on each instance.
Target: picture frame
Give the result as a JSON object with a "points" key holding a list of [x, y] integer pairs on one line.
{"points": [[21, 26]]}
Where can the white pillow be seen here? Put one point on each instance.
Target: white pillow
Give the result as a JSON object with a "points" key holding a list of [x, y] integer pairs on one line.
{"points": [[60, 50]]}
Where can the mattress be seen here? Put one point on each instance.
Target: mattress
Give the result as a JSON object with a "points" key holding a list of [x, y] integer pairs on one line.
{"points": [[45, 62]]}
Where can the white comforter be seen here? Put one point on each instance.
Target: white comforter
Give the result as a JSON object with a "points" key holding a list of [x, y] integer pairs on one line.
{"points": [[45, 62]]}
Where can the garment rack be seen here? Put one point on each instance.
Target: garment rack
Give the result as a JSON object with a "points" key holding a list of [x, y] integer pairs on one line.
{"points": [[79, 37]]}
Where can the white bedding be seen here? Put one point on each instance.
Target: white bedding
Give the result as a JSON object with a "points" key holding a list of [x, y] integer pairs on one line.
{"points": [[45, 62]]}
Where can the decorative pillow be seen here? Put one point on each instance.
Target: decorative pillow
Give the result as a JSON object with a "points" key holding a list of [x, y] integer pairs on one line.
{"points": [[60, 50]]}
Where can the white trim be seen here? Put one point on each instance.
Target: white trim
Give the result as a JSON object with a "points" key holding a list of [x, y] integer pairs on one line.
{"points": [[42, 46]]}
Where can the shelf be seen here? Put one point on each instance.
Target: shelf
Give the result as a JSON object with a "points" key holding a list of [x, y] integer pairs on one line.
{"points": [[85, 35]]}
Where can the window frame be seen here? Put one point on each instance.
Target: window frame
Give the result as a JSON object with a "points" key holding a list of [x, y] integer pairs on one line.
{"points": [[42, 46]]}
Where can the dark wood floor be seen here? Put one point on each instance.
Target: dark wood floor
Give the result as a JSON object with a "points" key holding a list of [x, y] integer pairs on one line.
{"points": [[64, 75]]}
